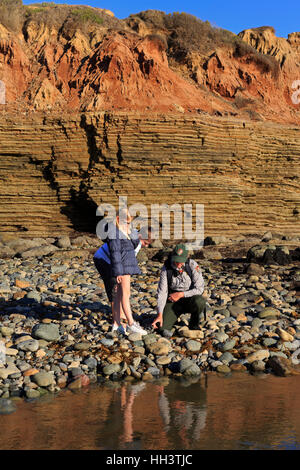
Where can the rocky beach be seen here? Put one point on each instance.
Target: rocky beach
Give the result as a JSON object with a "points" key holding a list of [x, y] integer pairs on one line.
{"points": [[55, 320], [164, 109]]}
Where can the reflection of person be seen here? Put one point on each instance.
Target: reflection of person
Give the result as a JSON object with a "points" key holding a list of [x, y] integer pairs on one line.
{"points": [[179, 290], [126, 406], [116, 262], [183, 416]]}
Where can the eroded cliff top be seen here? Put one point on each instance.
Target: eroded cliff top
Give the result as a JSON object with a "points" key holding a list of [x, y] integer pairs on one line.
{"points": [[62, 58]]}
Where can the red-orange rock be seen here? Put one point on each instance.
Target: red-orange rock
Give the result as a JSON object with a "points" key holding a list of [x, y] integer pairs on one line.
{"points": [[29, 372]]}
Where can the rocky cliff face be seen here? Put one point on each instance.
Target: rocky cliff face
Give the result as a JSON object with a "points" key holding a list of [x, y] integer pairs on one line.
{"points": [[132, 64], [57, 170], [121, 108]]}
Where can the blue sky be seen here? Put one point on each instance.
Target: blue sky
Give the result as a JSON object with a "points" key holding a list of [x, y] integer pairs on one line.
{"points": [[233, 15]]}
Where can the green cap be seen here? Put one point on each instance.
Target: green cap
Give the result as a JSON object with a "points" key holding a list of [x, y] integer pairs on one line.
{"points": [[179, 254]]}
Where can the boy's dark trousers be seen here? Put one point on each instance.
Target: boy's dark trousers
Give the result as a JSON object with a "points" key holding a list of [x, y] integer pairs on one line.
{"points": [[195, 305]]}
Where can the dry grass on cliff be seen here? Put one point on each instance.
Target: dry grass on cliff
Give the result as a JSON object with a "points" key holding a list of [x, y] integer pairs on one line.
{"points": [[12, 14], [267, 63], [67, 18], [186, 33]]}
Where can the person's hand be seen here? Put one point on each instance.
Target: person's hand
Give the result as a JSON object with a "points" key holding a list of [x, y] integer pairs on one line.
{"points": [[175, 296], [145, 243], [119, 279], [159, 320]]}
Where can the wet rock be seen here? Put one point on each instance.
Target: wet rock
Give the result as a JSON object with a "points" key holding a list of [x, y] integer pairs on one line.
{"points": [[184, 364], [111, 368], [31, 393], [192, 371], [223, 369], [6, 406], [43, 379], [281, 366], [258, 366]]}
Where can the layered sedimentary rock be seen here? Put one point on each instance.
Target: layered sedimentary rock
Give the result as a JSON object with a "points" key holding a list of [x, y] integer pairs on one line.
{"points": [[55, 171]]}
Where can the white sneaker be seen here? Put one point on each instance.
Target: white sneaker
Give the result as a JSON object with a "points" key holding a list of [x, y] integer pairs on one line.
{"points": [[136, 328], [118, 329]]}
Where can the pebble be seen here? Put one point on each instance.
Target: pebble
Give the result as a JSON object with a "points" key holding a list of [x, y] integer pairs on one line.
{"points": [[31, 345], [259, 355], [193, 346], [48, 332], [43, 379], [223, 369]]}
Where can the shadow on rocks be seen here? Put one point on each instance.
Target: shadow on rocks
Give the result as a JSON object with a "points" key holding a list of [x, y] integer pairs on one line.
{"points": [[53, 310]]}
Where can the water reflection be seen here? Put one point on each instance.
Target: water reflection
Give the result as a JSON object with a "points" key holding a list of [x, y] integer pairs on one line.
{"points": [[236, 412], [138, 419]]}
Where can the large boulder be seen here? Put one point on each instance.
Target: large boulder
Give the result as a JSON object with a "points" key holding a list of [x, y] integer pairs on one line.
{"points": [[281, 366], [269, 254]]}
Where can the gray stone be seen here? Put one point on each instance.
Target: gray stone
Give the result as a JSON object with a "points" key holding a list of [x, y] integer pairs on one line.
{"points": [[229, 344], [192, 371], [226, 358], [34, 295], [134, 337], [31, 393], [31, 345], [40, 251], [82, 346], [235, 310], [63, 242], [267, 342], [107, 342], [91, 362], [43, 379], [221, 336], [153, 371], [193, 345], [75, 371], [257, 322], [184, 364], [269, 312], [111, 369], [46, 331]]}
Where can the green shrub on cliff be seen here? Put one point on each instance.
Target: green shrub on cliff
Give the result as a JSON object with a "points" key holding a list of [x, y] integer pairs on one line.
{"points": [[186, 33]]}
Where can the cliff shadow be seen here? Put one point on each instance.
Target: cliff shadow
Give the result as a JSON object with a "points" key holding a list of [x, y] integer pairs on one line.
{"points": [[81, 211]]}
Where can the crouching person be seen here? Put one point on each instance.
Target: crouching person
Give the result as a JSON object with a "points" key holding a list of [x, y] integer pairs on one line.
{"points": [[179, 291]]}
